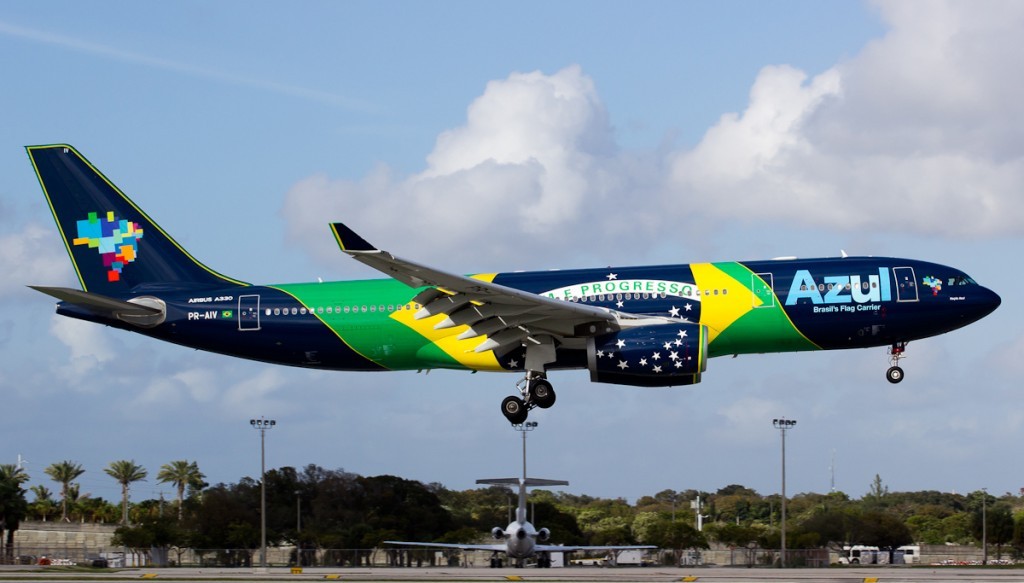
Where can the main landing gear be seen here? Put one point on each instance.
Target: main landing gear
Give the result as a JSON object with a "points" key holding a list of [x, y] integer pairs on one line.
{"points": [[536, 391], [895, 373]]}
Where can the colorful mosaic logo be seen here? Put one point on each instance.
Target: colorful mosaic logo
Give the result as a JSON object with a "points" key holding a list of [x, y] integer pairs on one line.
{"points": [[934, 283], [117, 241]]}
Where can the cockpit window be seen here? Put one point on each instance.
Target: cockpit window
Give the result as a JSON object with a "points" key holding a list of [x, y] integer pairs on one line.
{"points": [[961, 280]]}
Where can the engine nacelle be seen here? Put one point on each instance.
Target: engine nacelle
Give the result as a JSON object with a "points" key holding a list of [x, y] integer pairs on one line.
{"points": [[498, 533], [543, 535], [660, 355]]}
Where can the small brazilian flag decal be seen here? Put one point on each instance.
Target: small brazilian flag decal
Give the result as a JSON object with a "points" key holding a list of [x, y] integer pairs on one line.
{"points": [[227, 314]]}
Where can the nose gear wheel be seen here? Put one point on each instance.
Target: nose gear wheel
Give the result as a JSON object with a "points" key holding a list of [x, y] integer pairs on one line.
{"points": [[895, 373]]}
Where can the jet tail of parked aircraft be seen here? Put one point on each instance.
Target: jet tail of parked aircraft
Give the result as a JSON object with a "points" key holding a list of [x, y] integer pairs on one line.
{"points": [[116, 249]]}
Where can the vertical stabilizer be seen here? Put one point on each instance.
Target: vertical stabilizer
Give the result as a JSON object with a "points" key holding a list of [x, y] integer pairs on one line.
{"points": [[114, 246]]}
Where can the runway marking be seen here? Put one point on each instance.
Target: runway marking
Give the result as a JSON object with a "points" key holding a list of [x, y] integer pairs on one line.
{"points": [[689, 578]]}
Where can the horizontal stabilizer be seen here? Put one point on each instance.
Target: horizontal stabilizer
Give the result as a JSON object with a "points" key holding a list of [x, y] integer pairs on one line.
{"points": [[97, 302], [532, 482]]}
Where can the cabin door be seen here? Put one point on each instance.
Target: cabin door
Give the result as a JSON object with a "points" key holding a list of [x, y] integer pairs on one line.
{"points": [[249, 312], [906, 284], [763, 286]]}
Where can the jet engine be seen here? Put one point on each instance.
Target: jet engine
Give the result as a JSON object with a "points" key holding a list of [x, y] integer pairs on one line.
{"points": [[660, 355], [543, 535], [498, 533]]}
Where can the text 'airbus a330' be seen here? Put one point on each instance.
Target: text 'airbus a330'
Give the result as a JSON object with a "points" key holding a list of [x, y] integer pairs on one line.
{"points": [[649, 326]]}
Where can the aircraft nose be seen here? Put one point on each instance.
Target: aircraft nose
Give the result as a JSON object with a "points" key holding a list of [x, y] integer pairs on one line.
{"points": [[990, 301]]}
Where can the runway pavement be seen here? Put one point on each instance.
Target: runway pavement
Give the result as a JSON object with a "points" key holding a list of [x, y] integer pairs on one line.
{"points": [[574, 574]]}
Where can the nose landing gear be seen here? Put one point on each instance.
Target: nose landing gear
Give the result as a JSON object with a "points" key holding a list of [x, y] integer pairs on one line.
{"points": [[536, 391], [895, 373]]}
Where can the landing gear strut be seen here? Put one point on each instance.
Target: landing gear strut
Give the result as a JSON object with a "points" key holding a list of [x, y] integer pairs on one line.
{"points": [[895, 373], [536, 391]]}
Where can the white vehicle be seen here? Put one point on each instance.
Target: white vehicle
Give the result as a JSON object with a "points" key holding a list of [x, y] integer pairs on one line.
{"points": [[911, 554], [863, 555]]}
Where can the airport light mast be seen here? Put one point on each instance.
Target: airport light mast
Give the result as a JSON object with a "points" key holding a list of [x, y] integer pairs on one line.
{"points": [[263, 425], [524, 428], [782, 424]]}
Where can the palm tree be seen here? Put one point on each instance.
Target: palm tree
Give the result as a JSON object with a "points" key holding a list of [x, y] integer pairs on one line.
{"points": [[64, 473], [43, 504], [125, 472], [181, 473], [13, 473], [13, 507]]}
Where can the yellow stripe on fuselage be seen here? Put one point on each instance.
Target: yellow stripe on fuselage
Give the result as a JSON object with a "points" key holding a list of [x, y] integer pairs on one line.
{"points": [[446, 339], [719, 310]]}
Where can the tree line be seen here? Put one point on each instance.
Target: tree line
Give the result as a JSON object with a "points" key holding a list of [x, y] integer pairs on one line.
{"points": [[316, 508]]}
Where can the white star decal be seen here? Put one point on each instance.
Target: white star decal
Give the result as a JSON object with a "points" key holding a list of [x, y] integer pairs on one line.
{"points": [[688, 307], [620, 343], [656, 356], [668, 346], [622, 365], [657, 369], [674, 355], [679, 364], [674, 312], [513, 363], [600, 354], [678, 342], [619, 304], [643, 362], [682, 333], [612, 276]]}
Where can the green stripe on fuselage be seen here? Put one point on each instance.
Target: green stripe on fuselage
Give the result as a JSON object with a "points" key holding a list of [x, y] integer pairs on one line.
{"points": [[766, 328], [373, 333]]}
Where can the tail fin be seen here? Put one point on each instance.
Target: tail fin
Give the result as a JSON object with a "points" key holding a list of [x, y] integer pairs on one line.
{"points": [[114, 246]]}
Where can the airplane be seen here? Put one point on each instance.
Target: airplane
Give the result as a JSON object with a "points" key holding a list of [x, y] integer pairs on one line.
{"points": [[520, 537], [648, 326]]}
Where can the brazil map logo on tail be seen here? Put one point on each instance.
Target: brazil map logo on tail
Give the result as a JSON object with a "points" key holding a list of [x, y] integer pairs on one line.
{"points": [[117, 241]]}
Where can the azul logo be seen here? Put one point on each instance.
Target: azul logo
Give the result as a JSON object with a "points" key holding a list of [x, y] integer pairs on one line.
{"points": [[623, 286], [840, 289], [116, 240]]}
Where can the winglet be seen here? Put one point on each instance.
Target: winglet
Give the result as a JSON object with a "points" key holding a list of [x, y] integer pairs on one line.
{"points": [[348, 240]]}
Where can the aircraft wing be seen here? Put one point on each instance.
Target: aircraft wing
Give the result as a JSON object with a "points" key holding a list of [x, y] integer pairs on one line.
{"points": [[571, 548], [507, 316], [499, 547]]}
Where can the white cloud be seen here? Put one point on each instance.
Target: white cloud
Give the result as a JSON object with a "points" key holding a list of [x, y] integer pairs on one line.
{"points": [[31, 256], [252, 395], [919, 133], [192, 385], [534, 162], [89, 345]]}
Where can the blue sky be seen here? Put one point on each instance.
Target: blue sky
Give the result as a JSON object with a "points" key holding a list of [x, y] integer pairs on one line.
{"points": [[502, 136]]}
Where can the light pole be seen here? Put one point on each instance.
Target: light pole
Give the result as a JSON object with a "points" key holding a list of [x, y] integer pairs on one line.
{"points": [[782, 424], [298, 528], [984, 527], [524, 428], [263, 425]]}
